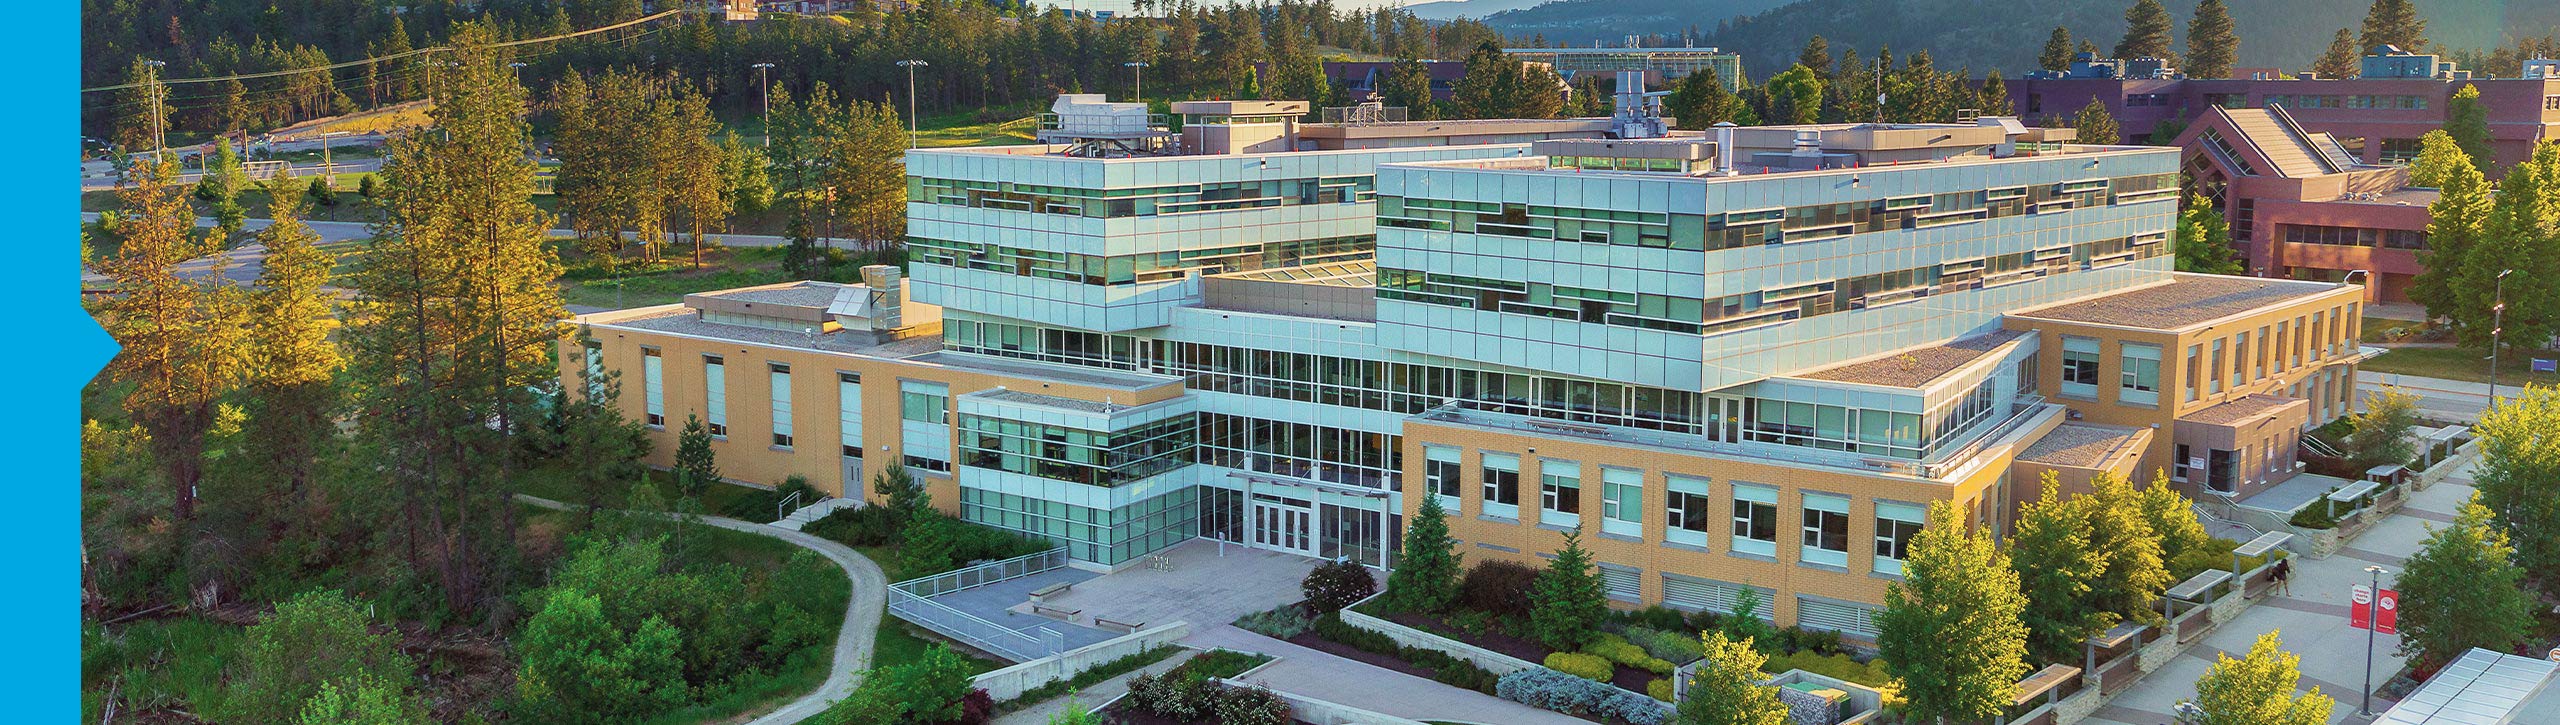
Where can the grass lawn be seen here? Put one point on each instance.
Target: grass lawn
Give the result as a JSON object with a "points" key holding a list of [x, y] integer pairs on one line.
{"points": [[2457, 364], [253, 200], [554, 482], [583, 283]]}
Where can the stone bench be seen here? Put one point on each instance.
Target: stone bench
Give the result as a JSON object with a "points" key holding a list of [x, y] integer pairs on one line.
{"points": [[1042, 594], [1061, 613], [1125, 627]]}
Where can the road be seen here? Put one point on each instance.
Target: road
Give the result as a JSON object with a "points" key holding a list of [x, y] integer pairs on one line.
{"points": [[242, 264], [102, 179], [2437, 398]]}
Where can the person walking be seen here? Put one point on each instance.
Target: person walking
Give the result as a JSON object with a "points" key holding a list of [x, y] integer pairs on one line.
{"points": [[2282, 577]]}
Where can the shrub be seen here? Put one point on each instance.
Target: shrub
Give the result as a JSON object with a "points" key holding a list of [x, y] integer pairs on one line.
{"points": [[1818, 641], [866, 526], [1444, 669], [1659, 689], [1548, 689], [977, 708], [1618, 650], [1335, 585], [1589, 667], [2315, 516], [1188, 696], [1671, 645], [1653, 617], [1256, 705], [1498, 588], [1288, 620]]}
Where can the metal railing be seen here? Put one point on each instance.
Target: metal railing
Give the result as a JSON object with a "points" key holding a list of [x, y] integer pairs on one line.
{"points": [[911, 600], [783, 509]]}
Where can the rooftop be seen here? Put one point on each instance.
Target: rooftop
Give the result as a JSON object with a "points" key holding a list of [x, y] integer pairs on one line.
{"points": [[1918, 366], [2185, 301], [1355, 273], [1002, 395], [2082, 445], [796, 294], [1069, 374], [2241, 409], [681, 320]]}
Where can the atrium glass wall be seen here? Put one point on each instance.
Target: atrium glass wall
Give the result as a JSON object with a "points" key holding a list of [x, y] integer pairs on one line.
{"points": [[1075, 455], [1336, 455], [1103, 536]]}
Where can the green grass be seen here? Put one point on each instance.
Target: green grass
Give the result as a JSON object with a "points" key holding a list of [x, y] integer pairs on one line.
{"points": [[555, 482], [171, 664], [898, 642], [585, 283], [2516, 367], [997, 133]]}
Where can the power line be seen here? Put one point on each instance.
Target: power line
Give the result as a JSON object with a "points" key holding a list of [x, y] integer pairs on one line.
{"points": [[394, 56]]}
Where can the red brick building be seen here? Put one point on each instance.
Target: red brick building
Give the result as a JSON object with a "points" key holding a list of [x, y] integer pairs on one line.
{"points": [[2301, 205]]}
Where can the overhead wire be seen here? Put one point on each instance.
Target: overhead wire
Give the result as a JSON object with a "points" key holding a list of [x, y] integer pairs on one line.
{"points": [[395, 56]]}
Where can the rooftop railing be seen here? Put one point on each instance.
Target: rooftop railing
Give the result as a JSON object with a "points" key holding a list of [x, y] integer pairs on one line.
{"points": [[912, 600]]}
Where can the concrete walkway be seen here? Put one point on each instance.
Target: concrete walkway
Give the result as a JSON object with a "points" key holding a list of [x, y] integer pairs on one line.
{"points": [[2312, 619], [861, 614], [1369, 687], [1094, 696]]}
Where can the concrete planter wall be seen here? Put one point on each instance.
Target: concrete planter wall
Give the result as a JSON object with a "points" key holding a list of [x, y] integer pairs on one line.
{"points": [[1864, 702], [1321, 712], [1011, 682], [2441, 469], [1495, 662]]}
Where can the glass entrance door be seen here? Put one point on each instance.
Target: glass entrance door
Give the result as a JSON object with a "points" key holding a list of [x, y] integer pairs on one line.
{"points": [[1279, 525]]}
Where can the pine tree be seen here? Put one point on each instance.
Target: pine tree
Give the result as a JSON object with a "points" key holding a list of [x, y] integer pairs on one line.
{"points": [[1816, 56], [2455, 221], [2258, 689], [221, 184], [2339, 61], [1477, 95], [2204, 239], [2462, 590], [1568, 602], [900, 490], [2095, 125], [2056, 570], [137, 128], [1994, 99], [1726, 689], [695, 168], [1408, 84], [2468, 122], [1950, 630], [292, 364], [604, 447], [2519, 478], [2212, 44], [2136, 573], [1700, 102], [2521, 235], [696, 468], [2394, 23], [1427, 579], [2147, 32], [2056, 56]]}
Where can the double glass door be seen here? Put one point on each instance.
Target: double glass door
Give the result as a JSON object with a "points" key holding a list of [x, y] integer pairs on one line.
{"points": [[1283, 524]]}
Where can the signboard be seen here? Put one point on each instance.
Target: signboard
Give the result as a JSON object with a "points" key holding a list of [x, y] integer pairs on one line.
{"points": [[2546, 365], [2362, 612]]}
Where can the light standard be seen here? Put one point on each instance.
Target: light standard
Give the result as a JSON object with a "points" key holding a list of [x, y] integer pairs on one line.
{"points": [[1138, 73], [517, 68], [911, 65], [764, 85], [2372, 623], [2497, 326], [159, 138]]}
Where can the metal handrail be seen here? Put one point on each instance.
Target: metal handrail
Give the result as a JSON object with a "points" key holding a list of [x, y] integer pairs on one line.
{"points": [[782, 509], [911, 600]]}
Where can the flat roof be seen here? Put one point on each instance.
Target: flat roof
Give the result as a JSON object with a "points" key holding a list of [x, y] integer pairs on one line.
{"points": [[796, 294], [1917, 367], [2242, 408], [1606, 51], [1054, 372], [2185, 301], [680, 320], [1004, 395], [2081, 445]]}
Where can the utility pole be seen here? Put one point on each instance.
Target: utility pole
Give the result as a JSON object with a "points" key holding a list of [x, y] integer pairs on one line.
{"points": [[911, 65], [159, 136], [1138, 72], [764, 85], [2372, 623], [2497, 328]]}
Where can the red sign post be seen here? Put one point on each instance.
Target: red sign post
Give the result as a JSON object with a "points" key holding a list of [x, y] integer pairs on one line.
{"points": [[2362, 613]]}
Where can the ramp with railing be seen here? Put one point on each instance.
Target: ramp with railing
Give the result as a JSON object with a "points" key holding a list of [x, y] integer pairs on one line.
{"points": [[912, 600]]}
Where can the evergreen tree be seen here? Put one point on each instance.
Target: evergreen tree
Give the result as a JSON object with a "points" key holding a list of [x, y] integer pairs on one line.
{"points": [[2455, 221], [1408, 84], [1427, 579], [2204, 239], [2136, 573], [221, 184], [1726, 688], [2519, 479], [1700, 102], [137, 128], [2212, 44], [900, 490], [2522, 234], [1994, 99], [2056, 56], [2147, 32], [2258, 689], [2056, 571], [1950, 630], [2462, 590], [1795, 96], [2340, 60], [2468, 122], [320, 193], [604, 446], [2394, 23], [2095, 125], [750, 189], [292, 364], [1816, 56], [361, 701], [578, 667], [696, 467], [1478, 93], [926, 690], [800, 258], [1568, 602]]}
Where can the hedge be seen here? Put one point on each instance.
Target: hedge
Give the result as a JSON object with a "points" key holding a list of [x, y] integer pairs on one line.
{"points": [[1617, 649], [1548, 689], [1589, 667], [1444, 669]]}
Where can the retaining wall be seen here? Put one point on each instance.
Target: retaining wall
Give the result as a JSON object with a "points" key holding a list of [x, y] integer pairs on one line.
{"points": [[1495, 662], [1011, 682]]}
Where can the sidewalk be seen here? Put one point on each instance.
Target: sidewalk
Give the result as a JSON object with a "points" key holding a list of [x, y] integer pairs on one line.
{"points": [[1092, 697], [2312, 619], [1369, 687]]}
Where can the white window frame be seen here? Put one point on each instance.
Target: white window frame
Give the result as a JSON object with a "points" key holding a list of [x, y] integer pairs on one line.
{"points": [[1449, 483], [2138, 383], [1819, 509], [1559, 484], [778, 376], [1747, 538], [715, 395], [1621, 501], [1889, 515], [1677, 518], [1486, 465], [849, 414], [653, 388]]}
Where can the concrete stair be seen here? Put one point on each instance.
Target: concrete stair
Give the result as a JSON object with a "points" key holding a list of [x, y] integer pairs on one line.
{"points": [[812, 512]]}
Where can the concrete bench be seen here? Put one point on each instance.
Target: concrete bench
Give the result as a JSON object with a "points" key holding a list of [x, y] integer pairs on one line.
{"points": [[1062, 613], [1042, 594], [1101, 621]]}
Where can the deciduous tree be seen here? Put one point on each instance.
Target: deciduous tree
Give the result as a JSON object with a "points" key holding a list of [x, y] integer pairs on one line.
{"points": [[2455, 221], [2258, 689], [2056, 570], [2462, 590], [2519, 478], [2522, 234], [1726, 689], [2136, 573], [1950, 631], [2204, 239], [315, 639], [2381, 431], [1795, 96], [2467, 121]]}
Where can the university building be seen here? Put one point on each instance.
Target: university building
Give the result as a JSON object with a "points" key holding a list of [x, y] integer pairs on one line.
{"points": [[1743, 361]]}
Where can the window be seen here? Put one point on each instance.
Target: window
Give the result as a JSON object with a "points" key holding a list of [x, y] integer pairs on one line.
{"points": [[2195, 354], [2239, 359], [2178, 463], [715, 387], [1440, 473], [595, 363], [2140, 384], [2213, 370], [653, 387], [2222, 469], [1896, 523], [1686, 506], [780, 377], [924, 406], [1755, 519], [1621, 501], [1560, 492], [849, 414], [1826, 529], [924, 428], [1501, 485], [2079, 367]]}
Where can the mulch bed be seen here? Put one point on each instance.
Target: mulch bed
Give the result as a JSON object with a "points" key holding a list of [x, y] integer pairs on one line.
{"points": [[1627, 678], [1309, 640]]}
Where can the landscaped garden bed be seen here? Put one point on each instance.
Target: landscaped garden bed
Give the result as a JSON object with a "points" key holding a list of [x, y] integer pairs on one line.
{"points": [[1190, 694]]}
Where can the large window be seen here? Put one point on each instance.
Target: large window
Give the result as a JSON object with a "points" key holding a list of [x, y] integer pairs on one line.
{"points": [[1559, 492], [1826, 529], [1691, 513], [849, 414], [1501, 485], [653, 387], [1440, 474], [715, 394], [1621, 501], [1076, 455], [924, 430], [2140, 384], [779, 377], [1299, 450], [919, 405], [1896, 523], [1755, 519], [2080, 367]]}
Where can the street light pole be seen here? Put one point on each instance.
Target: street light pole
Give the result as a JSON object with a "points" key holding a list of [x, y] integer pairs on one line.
{"points": [[764, 85], [159, 136], [911, 65], [2372, 623], [2497, 328], [1138, 72]]}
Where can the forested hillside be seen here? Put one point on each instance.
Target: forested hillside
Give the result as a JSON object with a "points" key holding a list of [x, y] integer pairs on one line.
{"points": [[1578, 22]]}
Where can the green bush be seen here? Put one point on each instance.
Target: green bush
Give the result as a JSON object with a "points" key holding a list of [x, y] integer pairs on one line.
{"points": [[2316, 516], [1090, 675], [1283, 622], [866, 526], [1674, 645], [1444, 669], [1589, 667], [1660, 690], [1653, 617], [1617, 649], [1840, 666]]}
